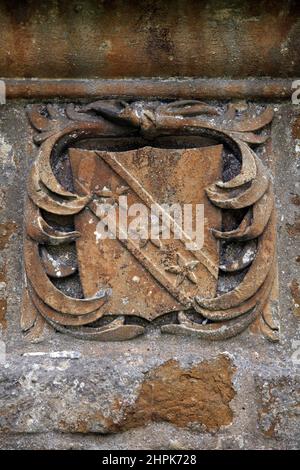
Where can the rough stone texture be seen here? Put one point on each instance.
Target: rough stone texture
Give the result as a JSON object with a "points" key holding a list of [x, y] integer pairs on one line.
{"points": [[91, 38], [59, 397], [156, 391], [185, 397], [279, 405], [140, 394], [249, 397]]}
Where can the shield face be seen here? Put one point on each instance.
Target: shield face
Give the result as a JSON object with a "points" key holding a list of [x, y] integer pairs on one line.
{"points": [[147, 279]]}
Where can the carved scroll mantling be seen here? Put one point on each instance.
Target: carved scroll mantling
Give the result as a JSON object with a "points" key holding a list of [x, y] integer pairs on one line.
{"points": [[220, 317]]}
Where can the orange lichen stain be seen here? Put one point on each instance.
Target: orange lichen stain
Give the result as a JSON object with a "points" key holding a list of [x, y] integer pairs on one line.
{"points": [[198, 395]]}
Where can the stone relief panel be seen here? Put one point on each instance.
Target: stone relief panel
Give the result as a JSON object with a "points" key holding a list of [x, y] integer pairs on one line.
{"points": [[151, 155]]}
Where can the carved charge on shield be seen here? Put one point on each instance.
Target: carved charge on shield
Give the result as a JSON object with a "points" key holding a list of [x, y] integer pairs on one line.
{"points": [[151, 155]]}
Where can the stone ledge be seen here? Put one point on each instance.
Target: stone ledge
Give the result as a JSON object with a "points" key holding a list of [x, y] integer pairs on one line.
{"points": [[75, 397]]}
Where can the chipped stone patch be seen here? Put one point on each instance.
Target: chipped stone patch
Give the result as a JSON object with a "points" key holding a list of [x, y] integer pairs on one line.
{"points": [[44, 396], [200, 395]]}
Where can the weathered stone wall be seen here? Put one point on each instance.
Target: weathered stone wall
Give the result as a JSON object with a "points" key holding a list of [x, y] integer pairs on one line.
{"points": [[125, 38], [155, 391]]}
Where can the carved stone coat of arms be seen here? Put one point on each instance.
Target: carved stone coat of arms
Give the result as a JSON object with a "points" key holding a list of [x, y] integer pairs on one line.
{"points": [[178, 154]]}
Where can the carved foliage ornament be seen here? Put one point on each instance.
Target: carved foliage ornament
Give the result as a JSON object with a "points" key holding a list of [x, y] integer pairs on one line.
{"points": [[110, 289]]}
